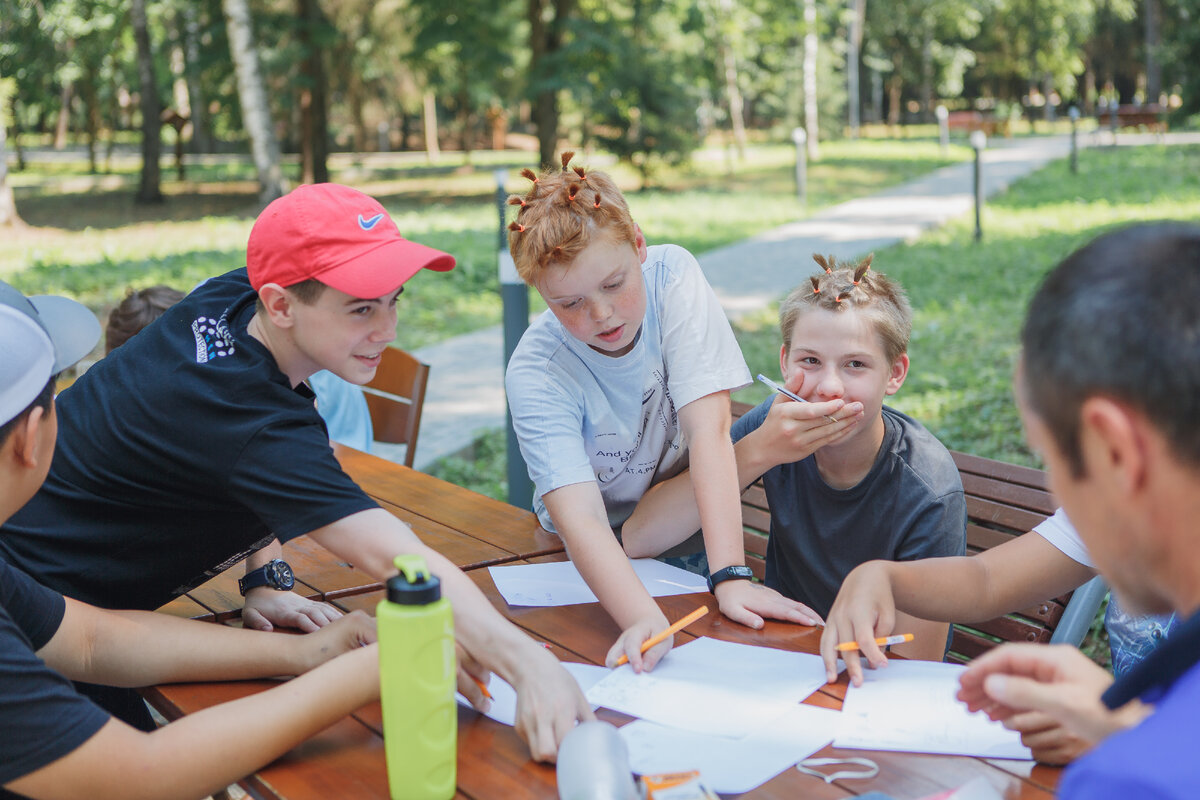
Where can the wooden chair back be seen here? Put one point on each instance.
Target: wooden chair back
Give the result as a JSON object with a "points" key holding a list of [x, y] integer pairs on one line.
{"points": [[395, 397], [1003, 500]]}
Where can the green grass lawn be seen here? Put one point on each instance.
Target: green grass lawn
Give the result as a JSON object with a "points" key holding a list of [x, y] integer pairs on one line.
{"points": [[90, 241], [969, 299]]}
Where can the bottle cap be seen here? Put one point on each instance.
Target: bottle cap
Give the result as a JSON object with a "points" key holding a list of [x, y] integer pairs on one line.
{"points": [[415, 585]]}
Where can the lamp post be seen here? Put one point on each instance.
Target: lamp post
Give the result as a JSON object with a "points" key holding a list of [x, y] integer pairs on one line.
{"points": [[800, 138], [1073, 113], [978, 143], [514, 296], [943, 121]]}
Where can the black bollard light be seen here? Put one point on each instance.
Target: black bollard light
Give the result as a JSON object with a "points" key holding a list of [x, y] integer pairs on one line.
{"points": [[978, 143], [514, 296]]}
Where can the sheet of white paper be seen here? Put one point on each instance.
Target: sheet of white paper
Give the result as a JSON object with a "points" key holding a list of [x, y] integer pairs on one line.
{"points": [[910, 706], [504, 697], [560, 584], [750, 685], [730, 765]]}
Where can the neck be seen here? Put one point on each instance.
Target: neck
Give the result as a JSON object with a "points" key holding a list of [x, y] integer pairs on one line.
{"points": [[845, 464], [279, 345]]}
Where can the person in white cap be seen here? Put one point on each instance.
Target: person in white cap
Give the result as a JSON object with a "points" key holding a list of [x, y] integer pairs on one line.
{"points": [[57, 743], [196, 444]]}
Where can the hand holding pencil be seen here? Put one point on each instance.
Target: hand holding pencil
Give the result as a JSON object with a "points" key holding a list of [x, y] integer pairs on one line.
{"points": [[663, 635]]}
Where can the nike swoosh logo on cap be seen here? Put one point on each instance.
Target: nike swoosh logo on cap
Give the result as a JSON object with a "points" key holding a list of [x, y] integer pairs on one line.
{"points": [[368, 224]]}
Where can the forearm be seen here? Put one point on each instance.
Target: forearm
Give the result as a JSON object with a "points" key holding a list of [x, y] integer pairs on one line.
{"points": [[716, 490], [261, 556], [206, 751]]}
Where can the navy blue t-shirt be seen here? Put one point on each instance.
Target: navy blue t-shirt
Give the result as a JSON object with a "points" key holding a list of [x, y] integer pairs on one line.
{"points": [[178, 455], [909, 506], [42, 717]]}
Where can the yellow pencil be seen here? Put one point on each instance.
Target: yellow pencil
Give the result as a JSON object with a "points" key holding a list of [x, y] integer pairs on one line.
{"points": [[482, 686], [674, 629], [882, 641]]}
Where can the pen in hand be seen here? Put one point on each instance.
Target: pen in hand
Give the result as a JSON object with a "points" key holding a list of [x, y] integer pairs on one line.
{"points": [[786, 393], [671, 631], [882, 641]]}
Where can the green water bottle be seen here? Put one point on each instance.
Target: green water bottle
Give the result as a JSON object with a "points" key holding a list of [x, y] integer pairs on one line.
{"points": [[417, 680]]}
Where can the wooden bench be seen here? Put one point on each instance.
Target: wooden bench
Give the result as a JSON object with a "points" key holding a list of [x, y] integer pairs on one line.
{"points": [[1153, 118], [1003, 500], [972, 121]]}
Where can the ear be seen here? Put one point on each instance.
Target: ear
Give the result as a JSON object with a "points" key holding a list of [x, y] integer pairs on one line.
{"points": [[24, 438], [278, 304], [639, 243], [899, 373], [783, 365], [1112, 440]]}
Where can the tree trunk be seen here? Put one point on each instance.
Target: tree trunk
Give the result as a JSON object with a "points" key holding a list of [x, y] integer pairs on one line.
{"points": [[252, 95], [811, 126], [546, 39], [8, 206], [63, 126], [149, 190], [894, 86], [1152, 11], [853, 48], [429, 103], [91, 115], [314, 118], [733, 94], [202, 139], [927, 76]]}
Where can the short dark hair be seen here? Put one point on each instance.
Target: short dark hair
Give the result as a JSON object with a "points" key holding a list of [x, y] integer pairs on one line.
{"points": [[1119, 317], [306, 291], [43, 400], [136, 311]]}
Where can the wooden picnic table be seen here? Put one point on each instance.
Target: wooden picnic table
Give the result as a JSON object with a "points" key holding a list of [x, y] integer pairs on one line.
{"points": [[346, 760]]}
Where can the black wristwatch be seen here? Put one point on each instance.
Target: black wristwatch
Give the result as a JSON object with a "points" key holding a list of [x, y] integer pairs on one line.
{"points": [[734, 573], [275, 573]]}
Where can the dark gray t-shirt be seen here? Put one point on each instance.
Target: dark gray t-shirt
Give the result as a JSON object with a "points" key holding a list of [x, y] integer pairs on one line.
{"points": [[909, 506]]}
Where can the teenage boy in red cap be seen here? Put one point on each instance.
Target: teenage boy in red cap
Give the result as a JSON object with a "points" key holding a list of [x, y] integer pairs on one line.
{"points": [[196, 444], [55, 742]]}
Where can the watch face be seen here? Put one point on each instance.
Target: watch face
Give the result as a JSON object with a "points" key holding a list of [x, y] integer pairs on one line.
{"points": [[279, 575]]}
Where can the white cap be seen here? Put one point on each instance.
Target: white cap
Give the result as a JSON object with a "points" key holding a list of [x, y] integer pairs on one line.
{"points": [[39, 337]]}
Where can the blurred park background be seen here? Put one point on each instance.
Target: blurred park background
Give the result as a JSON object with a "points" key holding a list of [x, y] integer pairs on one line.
{"points": [[140, 139]]}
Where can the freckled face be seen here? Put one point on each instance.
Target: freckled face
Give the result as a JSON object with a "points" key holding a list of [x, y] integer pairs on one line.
{"points": [[600, 297], [840, 355], [345, 334]]}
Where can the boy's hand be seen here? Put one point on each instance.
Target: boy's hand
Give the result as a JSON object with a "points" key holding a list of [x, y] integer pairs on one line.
{"points": [[747, 603], [351, 632], [472, 677], [549, 702], [630, 644], [794, 431], [267, 608], [1035, 689], [864, 609]]}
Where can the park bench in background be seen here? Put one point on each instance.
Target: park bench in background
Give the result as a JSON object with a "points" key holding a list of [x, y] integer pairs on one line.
{"points": [[1003, 500], [1151, 117], [972, 121]]}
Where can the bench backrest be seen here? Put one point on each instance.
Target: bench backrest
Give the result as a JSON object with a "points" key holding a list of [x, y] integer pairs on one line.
{"points": [[1003, 500]]}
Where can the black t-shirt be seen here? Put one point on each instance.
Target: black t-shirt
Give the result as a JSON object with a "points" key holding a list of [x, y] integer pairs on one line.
{"points": [[909, 506], [42, 717], [179, 454]]}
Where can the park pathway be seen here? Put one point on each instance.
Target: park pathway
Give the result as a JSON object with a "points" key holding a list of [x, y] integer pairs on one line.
{"points": [[465, 396]]}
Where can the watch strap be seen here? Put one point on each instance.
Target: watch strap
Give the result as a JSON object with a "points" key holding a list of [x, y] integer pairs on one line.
{"points": [[736, 572], [263, 577]]}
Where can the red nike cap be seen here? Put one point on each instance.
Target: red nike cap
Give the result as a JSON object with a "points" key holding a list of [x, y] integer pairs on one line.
{"points": [[339, 236]]}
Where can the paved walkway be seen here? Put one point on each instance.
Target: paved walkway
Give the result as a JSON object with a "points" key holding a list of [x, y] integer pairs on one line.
{"points": [[466, 388]]}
